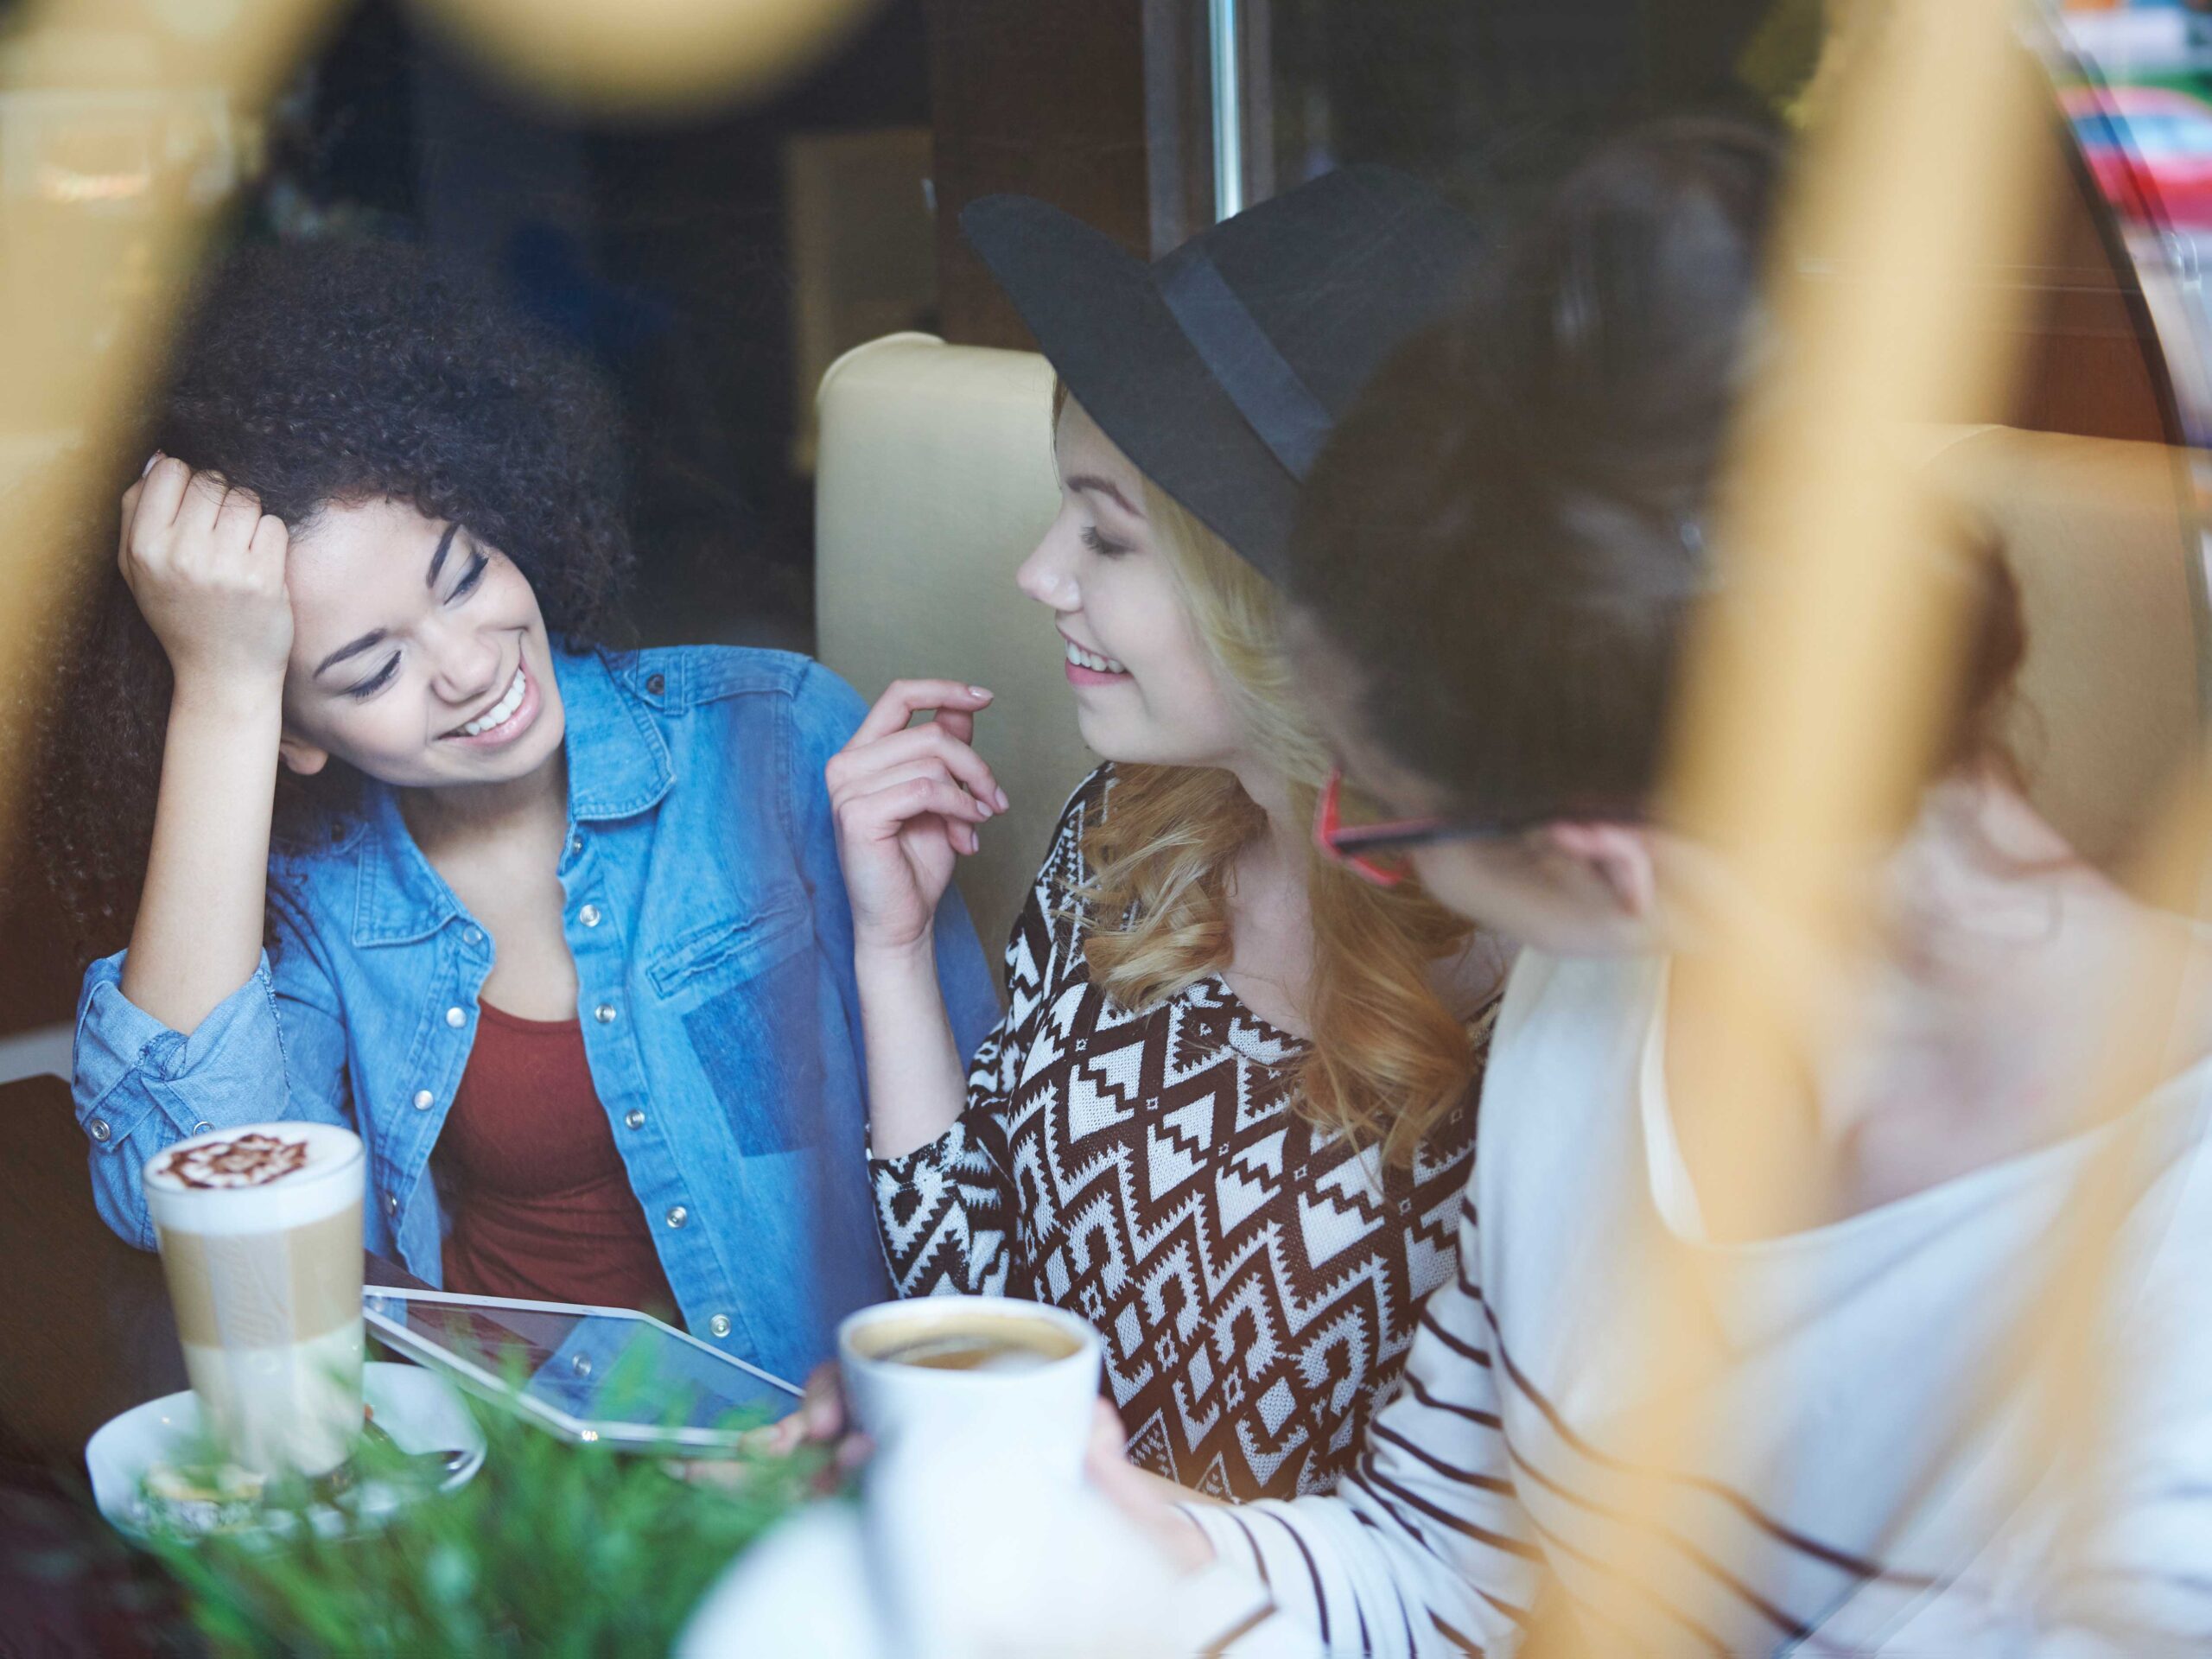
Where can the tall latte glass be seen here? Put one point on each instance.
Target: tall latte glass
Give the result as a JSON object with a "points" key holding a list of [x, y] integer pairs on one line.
{"points": [[260, 1233]]}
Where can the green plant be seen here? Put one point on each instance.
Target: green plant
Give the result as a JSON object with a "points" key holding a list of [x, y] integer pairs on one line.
{"points": [[553, 1550]]}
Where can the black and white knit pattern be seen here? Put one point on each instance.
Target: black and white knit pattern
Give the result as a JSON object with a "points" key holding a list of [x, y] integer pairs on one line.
{"points": [[1256, 1281]]}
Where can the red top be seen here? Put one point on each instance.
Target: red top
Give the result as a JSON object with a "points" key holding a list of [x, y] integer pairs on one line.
{"points": [[542, 1207]]}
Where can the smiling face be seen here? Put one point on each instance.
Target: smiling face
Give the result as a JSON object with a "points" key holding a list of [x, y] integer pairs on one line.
{"points": [[1147, 690], [418, 655]]}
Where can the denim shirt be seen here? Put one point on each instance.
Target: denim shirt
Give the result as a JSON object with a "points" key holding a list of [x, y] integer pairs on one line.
{"points": [[713, 943]]}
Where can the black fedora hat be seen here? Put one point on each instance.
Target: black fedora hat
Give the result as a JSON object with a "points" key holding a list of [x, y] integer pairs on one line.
{"points": [[1220, 369]]}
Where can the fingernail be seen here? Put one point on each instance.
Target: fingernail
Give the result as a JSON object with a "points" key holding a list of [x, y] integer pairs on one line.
{"points": [[149, 467], [977, 690], [983, 808], [1005, 805]]}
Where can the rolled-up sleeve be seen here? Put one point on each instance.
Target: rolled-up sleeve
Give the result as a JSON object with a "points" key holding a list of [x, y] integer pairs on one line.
{"points": [[274, 1048], [948, 1210]]}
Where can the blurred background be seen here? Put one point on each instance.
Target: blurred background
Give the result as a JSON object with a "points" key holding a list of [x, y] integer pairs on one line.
{"points": [[715, 259]]}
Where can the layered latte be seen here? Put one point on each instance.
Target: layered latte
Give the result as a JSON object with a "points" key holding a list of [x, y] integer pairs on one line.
{"points": [[260, 1235]]}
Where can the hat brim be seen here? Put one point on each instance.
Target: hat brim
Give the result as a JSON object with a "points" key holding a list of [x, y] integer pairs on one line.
{"points": [[1100, 320]]}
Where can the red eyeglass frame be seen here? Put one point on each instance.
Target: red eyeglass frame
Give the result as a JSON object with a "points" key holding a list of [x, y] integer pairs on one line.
{"points": [[1346, 844]]}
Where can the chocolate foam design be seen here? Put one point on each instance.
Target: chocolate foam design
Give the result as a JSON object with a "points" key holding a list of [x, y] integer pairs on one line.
{"points": [[248, 1161]]}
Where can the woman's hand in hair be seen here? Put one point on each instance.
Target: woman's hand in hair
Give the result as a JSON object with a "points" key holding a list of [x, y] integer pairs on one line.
{"points": [[908, 800], [207, 568]]}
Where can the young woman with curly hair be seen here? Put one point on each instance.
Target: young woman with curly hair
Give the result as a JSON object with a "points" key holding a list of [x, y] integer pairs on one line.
{"points": [[375, 831], [1227, 1118]]}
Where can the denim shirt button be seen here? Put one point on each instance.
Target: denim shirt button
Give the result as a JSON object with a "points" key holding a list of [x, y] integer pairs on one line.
{"points": [[719, 1325], [655, 683], [456, 1018], [203, 1126], [677, 1215], [604, 1014], [100, 1130], [423, 1099], [474, 936], [580, 1364], [632, 1119], [391, 1203], [589, 915], [576, 845]]}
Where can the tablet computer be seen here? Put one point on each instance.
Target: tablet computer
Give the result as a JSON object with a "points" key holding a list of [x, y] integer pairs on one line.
{"points": [[590, 1374]]}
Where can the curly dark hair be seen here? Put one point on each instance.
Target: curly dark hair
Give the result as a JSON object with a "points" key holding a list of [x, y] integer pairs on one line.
{"points": [[309, 374]]}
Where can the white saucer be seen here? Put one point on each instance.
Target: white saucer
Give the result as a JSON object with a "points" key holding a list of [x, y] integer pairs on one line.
{"points": [[418, 1408]]}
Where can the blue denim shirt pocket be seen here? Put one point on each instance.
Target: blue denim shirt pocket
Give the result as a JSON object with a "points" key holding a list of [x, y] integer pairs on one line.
{"points": [[747, 991]]}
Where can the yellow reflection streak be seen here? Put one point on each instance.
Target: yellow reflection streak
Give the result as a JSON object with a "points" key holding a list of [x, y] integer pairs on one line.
{"points": [[649, 56], [1805, 733], [94, 259]]}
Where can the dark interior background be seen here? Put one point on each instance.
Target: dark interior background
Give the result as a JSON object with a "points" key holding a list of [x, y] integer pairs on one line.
{"points": [[669, 249]]}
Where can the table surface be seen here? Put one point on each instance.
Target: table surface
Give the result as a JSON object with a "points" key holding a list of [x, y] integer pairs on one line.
{"points": [[84, 1325]]}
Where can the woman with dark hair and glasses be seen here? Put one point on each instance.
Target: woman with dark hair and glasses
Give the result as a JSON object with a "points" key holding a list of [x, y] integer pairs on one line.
{"points": [[1494, 577]]}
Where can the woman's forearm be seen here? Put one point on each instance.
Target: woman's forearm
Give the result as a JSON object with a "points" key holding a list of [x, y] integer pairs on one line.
{"points": [[197, 935], [916, 1086]]}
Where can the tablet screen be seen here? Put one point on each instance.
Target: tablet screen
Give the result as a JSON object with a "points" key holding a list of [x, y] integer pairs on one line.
{"points": [[590, 1373]]}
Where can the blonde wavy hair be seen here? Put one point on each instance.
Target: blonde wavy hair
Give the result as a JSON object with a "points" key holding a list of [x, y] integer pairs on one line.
{"points": [[1388, 1060]]}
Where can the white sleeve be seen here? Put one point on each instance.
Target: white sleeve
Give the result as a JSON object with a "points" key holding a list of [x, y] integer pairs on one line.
{"points": [[2140, 1581], [1423, 1549]]}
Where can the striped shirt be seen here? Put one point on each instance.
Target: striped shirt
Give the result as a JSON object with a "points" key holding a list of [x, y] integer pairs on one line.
{"points": [[1856, 1487]]}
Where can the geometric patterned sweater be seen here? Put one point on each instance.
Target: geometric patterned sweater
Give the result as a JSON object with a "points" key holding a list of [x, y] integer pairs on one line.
{"points": [[1255, 1280]]}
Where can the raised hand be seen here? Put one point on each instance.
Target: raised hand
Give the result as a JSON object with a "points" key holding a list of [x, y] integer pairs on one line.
{"points": [[907, 800], [206, 567]]}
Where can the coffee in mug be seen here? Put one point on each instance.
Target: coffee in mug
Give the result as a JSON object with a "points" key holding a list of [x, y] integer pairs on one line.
{"points": [[986, 1377], [260, 1235], [1000, 1345]]}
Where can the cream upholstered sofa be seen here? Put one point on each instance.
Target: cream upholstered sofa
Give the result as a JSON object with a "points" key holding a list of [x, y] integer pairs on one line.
{"points": [[937, 478], [934, 481], [2106, 540]]}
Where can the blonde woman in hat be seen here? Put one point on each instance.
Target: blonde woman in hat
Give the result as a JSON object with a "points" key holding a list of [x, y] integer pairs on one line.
{"points": [[1228, 1115]]}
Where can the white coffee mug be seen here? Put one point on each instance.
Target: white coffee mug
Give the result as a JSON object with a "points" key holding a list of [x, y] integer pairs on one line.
{"points": [[1035, 1412]]}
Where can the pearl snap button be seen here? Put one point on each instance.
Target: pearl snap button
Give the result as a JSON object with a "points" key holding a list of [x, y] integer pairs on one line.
{"points": [[633, 1119], [100, 1130], [604, 1014], [203, 1126], [580, 1364], [719, 1325], [391, 1203], [455, 1018], [576, 845], [474, 936], [423, 1099], [589, 915], [677, 1216]]}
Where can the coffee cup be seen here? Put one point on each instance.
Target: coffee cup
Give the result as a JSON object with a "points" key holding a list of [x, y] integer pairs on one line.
{"points": [[260, 1235], [1012, 1381]]}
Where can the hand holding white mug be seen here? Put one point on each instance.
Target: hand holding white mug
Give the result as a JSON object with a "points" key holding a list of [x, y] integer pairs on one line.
{"points": [[907, 800], [1150, 1503], [207, 568]]}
